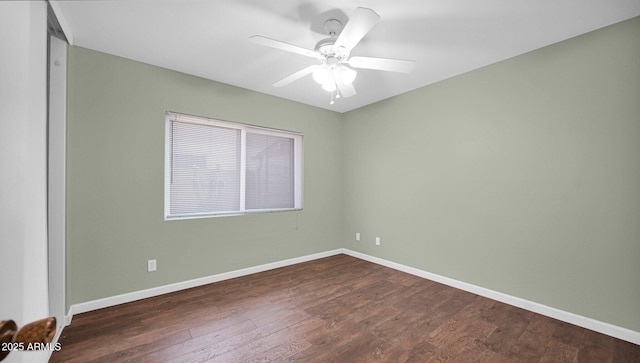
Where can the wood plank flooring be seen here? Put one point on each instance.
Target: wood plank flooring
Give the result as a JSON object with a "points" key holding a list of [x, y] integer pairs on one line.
{"points": [[336, 309]]}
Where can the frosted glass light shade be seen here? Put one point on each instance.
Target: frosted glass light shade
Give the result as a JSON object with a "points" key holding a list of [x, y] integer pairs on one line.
{"points": [[329, 86], [328, 76], [321, 74], [347, 75]]}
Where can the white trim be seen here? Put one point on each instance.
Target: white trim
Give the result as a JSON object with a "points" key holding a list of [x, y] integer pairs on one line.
{"points": [[582, 321], [589, 323], [57, 176], [68, 318], [297, 159], [59, 329], [175, 116], [160, 290], [62, 21], [243, 170], [244, 129]]}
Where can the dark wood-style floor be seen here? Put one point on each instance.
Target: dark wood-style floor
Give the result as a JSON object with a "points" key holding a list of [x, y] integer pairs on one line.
{"points": [[336, 309]]}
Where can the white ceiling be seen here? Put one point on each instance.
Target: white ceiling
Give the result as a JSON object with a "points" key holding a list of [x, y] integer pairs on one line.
{"points": [[210, 38]]}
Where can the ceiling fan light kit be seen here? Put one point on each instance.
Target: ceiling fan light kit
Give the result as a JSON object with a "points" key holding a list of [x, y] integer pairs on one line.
{"points": [[329, 76], [335, 72]]}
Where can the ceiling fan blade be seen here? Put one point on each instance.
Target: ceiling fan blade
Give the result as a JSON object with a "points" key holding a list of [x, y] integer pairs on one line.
{"points": [[357, 27], [383, 64], [346, 89], [268, 42], [296, 76]]}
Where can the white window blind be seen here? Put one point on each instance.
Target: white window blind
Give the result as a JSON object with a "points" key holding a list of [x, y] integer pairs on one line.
{"points": [[270, 171], [215, 167]]}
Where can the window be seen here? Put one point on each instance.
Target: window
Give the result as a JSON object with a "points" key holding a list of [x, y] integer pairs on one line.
{"points": [[216, 167]]}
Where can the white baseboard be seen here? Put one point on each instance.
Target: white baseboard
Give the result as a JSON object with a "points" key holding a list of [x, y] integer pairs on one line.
{"points": [[68, 318], [592, 324], [160, 290]]}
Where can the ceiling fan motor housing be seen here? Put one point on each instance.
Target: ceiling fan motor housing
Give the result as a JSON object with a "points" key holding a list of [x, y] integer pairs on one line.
{"points": [[326, 46], [333, 27]]}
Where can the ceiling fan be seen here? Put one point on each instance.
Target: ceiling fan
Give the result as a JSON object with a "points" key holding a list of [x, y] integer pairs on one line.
{"points": [[335, 72]]}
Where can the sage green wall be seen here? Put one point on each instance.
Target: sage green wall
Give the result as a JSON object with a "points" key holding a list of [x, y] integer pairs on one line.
{"points": [[522, 177], [115, 176]]}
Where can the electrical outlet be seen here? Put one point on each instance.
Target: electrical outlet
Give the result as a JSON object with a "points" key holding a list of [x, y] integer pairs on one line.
{"points": [[377, 241], [357, 236], [151, 265]]}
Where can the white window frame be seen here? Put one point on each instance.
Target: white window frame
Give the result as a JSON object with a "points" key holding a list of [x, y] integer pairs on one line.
{"points": [[244, 128]]}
